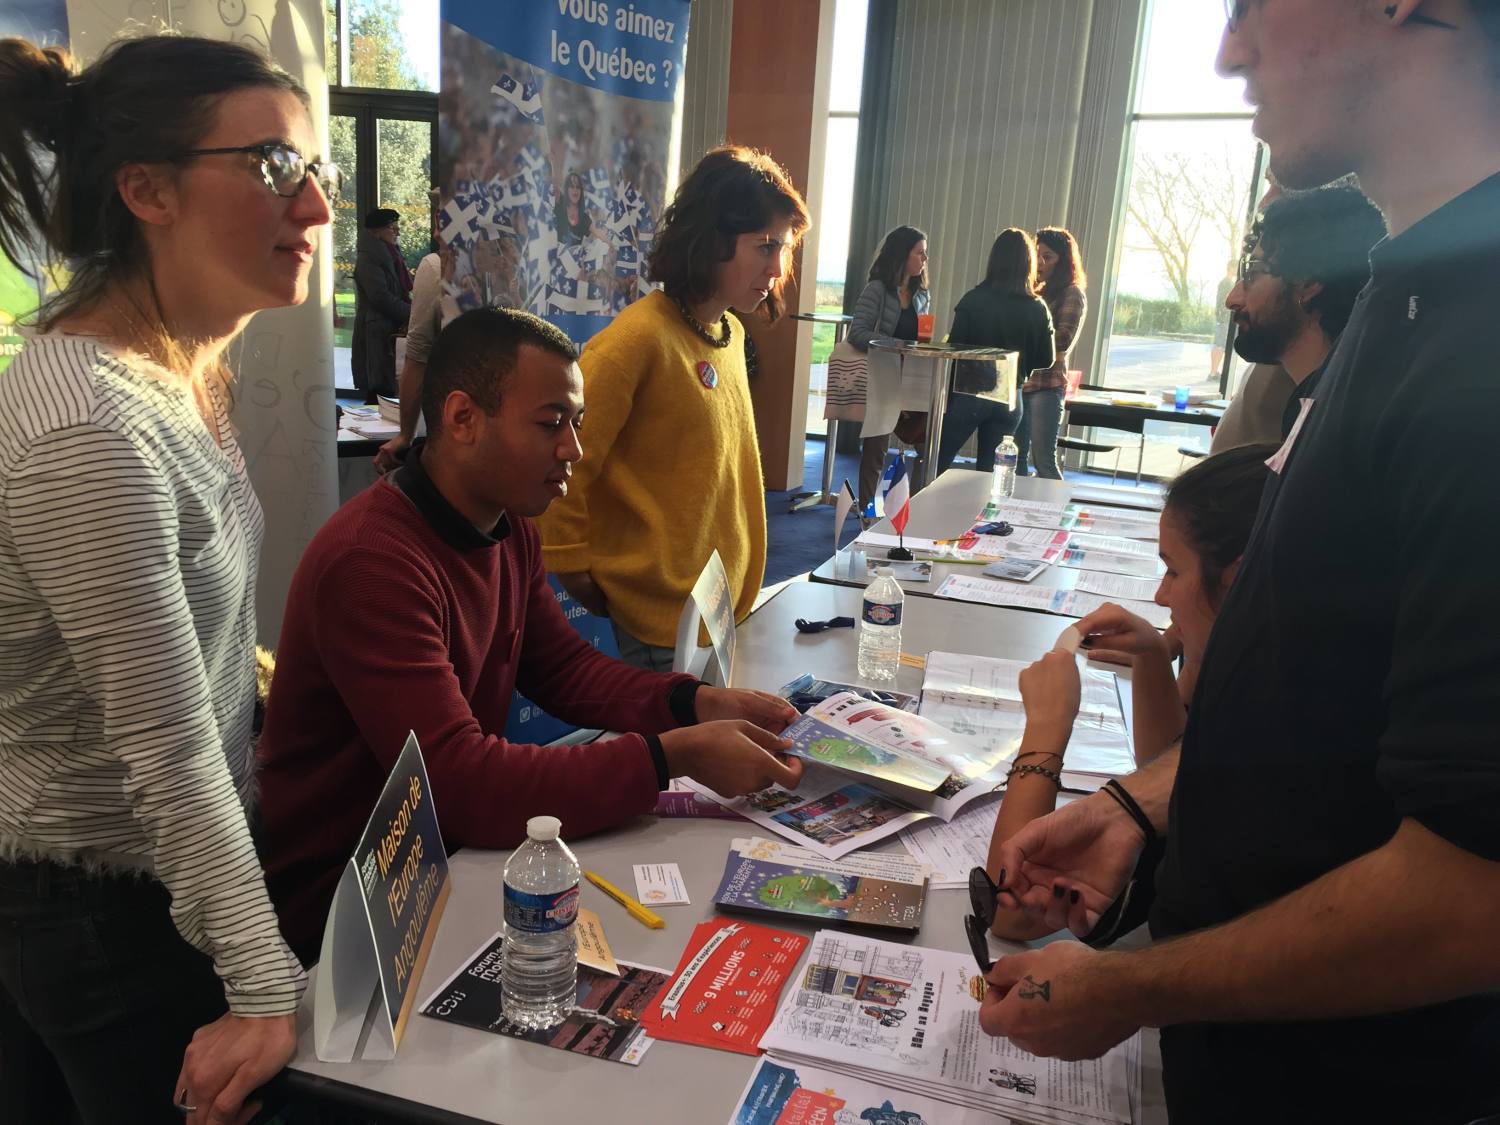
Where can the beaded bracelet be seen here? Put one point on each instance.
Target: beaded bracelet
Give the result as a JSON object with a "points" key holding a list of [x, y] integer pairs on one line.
{"points": [[1051, 775]]}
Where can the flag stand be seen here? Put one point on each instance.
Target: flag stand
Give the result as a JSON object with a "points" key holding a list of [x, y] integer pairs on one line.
{"points": [[899, 554]]}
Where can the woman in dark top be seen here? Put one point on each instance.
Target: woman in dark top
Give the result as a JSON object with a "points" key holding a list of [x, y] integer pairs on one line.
{"points": [[1002, 311], [573, 222]]}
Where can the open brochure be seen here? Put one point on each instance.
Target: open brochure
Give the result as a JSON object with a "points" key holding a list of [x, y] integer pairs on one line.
{"points": [[876, 741], [980, 697], [833, 811], [771, 877], [907, 1018]]}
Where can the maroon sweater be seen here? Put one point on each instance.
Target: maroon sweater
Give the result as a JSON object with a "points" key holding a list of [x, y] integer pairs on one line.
{"points": [[402, 616]]}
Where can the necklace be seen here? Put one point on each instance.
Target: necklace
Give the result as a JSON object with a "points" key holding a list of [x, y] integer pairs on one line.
{"points": [[703, 333]]}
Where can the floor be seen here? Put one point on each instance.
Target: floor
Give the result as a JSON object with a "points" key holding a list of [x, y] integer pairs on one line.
{"points": [[798, 541]]}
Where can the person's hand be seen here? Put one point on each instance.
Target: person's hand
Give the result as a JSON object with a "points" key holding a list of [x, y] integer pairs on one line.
{"points": [[767, 711], [1113, 634], [228, 1060], [390, 455], [581, 586], [732, 757], [1052, 1002], [1069, 865], [1050, 692]]}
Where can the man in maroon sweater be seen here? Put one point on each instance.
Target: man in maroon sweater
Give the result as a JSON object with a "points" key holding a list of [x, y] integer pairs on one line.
{"points": [[423, 603]]}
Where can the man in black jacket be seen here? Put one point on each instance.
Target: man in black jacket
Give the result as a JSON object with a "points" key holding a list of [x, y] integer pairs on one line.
{"points": [[382, 304]]}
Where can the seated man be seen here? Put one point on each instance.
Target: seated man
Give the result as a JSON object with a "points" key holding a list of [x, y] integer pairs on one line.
{"points": [[422, 603]]}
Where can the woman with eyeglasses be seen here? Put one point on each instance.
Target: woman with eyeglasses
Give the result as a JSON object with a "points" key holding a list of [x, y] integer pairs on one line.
{"points": [[1205, 526], [140, 960]]}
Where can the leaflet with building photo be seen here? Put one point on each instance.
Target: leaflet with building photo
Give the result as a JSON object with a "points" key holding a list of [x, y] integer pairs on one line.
{"points": [[908, 1017]]}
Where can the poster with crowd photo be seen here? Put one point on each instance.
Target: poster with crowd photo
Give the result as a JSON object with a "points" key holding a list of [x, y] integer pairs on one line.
{"points": [[555, 121], [45, 23]]}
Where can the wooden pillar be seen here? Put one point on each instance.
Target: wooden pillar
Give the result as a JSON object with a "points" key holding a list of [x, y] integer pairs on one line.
{"points": [[780, 54]]}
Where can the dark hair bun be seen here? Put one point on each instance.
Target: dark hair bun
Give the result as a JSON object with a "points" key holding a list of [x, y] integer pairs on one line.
{"points": [[36, 85]]}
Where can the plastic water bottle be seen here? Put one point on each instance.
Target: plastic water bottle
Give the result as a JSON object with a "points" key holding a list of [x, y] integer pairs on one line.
{"points": [[1007, 454], [539, 967], [880, 628]]}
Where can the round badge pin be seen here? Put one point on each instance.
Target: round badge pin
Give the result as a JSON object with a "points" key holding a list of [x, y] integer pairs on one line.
{"points": [[707, 375]]}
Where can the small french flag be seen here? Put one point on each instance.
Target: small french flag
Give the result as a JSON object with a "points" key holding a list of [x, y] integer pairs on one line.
{"points": [[898, 498]]}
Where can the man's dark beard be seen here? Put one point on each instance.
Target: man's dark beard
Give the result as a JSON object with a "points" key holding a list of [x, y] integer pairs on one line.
{"points": [[1266, 340]]}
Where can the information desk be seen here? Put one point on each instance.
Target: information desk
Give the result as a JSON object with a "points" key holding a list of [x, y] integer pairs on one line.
{"points": [[446, 1073], [945, 510]]}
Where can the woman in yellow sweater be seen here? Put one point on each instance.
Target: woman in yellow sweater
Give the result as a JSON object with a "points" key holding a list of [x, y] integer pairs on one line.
{"points": [[671, 469]]}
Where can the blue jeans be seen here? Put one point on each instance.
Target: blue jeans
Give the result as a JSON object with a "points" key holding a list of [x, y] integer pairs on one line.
{"points": [[99, 996], [638, 654], [1044, 410], [967, 413]]}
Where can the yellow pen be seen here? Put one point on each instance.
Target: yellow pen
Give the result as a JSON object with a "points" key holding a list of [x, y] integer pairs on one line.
{"points": [[637, 911]]}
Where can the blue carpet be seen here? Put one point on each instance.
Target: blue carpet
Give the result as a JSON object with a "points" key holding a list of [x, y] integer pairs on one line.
{"points": [[798, 542]]}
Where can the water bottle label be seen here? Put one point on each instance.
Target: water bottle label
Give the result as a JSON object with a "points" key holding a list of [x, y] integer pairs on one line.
{"points": [[879, 613], [541, 914]]}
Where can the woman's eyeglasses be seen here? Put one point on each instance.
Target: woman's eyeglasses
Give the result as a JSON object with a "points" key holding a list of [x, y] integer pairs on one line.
{"points": [[284, 169], [1234, 12]]}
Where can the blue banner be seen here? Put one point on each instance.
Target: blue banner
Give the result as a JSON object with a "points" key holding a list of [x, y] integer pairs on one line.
{"points": [[555, 118], [634, 49]]}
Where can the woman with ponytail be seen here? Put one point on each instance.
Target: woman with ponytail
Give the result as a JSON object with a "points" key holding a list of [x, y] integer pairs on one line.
{"points": [[140, 960]]}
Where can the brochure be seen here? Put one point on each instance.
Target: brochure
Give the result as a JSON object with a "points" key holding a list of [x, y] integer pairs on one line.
{"points": [[726, 987], [771, 877], [908, 1017], [607, 1025], [980, 697], [807, 691], [783, 1092]]}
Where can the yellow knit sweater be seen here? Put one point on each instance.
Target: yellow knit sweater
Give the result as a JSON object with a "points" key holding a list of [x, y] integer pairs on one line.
{"points": [[670, 472]]}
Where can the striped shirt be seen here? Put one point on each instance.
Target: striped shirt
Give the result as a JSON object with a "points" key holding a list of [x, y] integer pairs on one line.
{"points": [[128, 548], [1068, 312]]}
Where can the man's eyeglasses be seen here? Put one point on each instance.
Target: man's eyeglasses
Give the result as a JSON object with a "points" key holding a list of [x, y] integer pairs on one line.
{"points": [[984, 897], [1234, 12], [1250, 268], [284, 169]]}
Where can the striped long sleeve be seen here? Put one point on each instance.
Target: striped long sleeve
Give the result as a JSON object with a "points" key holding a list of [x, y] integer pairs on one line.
{"points": [[128, 550]]}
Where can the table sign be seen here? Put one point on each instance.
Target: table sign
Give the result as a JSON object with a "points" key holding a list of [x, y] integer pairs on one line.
{"points": [[385, 914], [710, 603]]}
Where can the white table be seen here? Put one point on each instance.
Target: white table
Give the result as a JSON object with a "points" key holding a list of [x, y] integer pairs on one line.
{"points": [[446, 1073]]}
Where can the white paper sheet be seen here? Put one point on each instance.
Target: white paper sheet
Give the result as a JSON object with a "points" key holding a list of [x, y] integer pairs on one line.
{"points": [[1107, 562], [949, 850], [990, 591], [909, 1016], [782, 1089], [1115, 544], [1116, 586], [1119, 495], [1075, 603], [1030, 513]]}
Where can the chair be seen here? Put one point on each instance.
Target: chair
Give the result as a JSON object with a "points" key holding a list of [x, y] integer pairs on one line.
{"points": [[1109, 421], [1194, 452]]}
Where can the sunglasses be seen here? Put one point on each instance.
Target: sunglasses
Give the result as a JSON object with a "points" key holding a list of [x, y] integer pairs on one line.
{"points": [[284, 169], [984, 898], [1234, 12]]}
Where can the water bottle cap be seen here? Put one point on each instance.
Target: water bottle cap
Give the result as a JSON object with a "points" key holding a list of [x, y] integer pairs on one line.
{"points": [[543, 828], [883, 572]]}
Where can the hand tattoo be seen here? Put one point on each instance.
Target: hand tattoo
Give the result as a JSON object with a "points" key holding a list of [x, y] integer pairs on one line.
{"points": [[1032, 989]]}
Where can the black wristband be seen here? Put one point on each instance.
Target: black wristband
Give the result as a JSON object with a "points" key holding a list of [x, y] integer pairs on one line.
{"points": [[682, 701], [659, 760], [1123, 798]]}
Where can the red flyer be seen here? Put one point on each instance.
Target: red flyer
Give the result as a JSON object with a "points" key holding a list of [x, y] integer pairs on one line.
{"points": [[726, 988]]}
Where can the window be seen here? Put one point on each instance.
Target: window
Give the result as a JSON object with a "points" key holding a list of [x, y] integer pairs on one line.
{"points": [[381, 44], [1192, 178], [832, 225], [383, 69]]}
